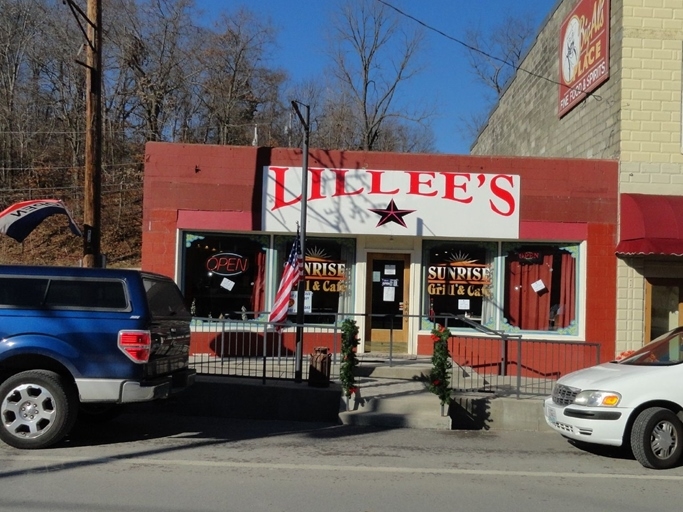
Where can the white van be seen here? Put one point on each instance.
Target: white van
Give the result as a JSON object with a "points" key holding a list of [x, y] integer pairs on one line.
{"points": [[637, 400]]}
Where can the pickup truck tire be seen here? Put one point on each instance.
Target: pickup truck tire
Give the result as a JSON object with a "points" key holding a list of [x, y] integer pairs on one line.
{"points": [[37, 409], [657, 438]]}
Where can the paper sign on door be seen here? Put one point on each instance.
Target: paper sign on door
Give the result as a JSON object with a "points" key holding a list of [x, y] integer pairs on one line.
{"points": [[389, 293]]}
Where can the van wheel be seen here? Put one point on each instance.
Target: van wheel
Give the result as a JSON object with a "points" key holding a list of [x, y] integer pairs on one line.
{"points": [[37, 409], [657, 438]]}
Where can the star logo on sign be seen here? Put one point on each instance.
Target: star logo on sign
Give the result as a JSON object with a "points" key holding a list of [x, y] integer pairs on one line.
{"points": [[391, 214]]}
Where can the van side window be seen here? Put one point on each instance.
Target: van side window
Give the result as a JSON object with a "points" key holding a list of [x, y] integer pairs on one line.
{"points": [[83, 294], [23, 292]]}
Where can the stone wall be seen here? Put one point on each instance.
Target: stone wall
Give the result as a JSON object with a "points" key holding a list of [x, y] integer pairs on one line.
{"points": [[525, 121], [634, 117]]}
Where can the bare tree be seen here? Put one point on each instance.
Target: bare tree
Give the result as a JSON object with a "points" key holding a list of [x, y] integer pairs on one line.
{"points": [[494, 58], [238, 90], [155, 58], [19, 27], [57, 92], [498, 52], [373, 55]]}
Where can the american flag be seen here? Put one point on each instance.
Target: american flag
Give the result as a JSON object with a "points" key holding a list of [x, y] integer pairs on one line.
{"points": [[294, 271]]}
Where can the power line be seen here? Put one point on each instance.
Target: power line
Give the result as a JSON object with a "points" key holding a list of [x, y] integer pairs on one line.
{"points": [[482, 52], [136, 130], [48, 167], [109, 188], [28, 132]]}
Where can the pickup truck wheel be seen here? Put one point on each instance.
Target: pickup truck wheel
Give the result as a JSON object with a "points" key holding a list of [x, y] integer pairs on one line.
{"points": [[37, 409], [657, 438]]}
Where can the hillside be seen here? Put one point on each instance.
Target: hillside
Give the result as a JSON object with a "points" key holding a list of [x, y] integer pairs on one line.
{"points": [[52, 243]]}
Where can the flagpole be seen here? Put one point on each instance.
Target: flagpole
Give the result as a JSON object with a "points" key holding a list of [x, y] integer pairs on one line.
{"points": [[301, 290]]}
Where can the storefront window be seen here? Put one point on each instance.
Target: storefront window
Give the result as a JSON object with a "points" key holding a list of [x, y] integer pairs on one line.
{"points": [[459, 281], [327, 268], [224, 274], [663, 306], [540, 287]]}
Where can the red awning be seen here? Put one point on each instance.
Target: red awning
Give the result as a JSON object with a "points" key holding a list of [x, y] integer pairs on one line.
{"points": [[651, 224]]}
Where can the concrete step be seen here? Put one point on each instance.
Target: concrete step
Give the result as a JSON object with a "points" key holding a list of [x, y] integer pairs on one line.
{"points": [[420, 410], [400, 348], [407, 403], [407, 372], [477, 411]]}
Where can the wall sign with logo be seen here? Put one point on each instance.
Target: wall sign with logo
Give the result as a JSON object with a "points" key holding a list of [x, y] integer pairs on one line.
{"points": [[461, 279], [324, 275], [328, 264], [584, 52], [393, 202]]}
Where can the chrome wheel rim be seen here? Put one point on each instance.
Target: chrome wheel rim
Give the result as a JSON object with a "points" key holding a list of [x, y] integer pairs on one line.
{"points": [[28, 411]]}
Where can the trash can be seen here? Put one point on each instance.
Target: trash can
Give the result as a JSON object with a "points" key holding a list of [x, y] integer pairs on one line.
{"points": [[319, 370]]}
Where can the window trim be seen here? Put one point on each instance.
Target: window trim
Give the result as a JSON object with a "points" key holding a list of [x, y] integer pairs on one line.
{"points": [[575, 331]]}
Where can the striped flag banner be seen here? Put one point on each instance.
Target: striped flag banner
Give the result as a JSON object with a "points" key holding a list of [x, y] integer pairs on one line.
{"points": [[20, 219], [293, 273]]}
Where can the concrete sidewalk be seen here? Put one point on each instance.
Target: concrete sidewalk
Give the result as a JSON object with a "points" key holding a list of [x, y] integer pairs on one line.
{"points": [[390, 395]]}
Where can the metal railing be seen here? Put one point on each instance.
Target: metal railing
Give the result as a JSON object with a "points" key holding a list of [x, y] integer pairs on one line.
{"points": [[505, 364], [253, 348], [486, 361]]}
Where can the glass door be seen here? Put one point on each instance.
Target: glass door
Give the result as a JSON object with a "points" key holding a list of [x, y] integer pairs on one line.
{"points": [[387, 301]]}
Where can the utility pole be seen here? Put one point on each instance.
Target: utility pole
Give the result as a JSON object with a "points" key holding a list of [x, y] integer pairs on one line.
{"points": [[92, 186], [301, 291]]}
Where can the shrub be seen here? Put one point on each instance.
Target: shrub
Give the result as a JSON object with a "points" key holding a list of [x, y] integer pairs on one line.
{"points": [[349, 361], [439, 377]]}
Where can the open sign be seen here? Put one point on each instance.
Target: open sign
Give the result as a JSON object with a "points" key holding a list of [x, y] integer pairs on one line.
{"points": [[227, 264]]}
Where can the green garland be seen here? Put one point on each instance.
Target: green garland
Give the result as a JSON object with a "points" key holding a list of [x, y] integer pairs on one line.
{"points": [[349, 361], [439, 377]]}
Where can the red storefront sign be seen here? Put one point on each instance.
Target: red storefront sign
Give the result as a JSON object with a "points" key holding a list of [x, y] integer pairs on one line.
{"points": [[584, 52]]}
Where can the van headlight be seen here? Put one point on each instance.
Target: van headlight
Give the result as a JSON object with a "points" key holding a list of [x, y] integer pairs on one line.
{"points": [[593, 398]]}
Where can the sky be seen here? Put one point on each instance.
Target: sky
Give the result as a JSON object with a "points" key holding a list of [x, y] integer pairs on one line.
{"points": [[446, 79]]}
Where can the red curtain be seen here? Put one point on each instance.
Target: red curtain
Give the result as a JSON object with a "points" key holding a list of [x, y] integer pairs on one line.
{"points": [[566, 311], [527, 308], [257, 293]]}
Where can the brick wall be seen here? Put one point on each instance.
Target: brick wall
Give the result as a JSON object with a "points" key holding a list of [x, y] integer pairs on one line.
{"points": [[650, 151], [219, 188]]}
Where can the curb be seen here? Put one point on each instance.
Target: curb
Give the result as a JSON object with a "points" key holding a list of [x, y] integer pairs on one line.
{"points": [[392, 403], [232, 397], [477, 412]]}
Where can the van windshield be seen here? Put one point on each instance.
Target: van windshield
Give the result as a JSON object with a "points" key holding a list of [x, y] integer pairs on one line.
{"points": [[665, 350]]}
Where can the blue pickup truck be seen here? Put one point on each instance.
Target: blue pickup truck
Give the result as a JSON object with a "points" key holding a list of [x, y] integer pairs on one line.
{"points": [[81, 342]]}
